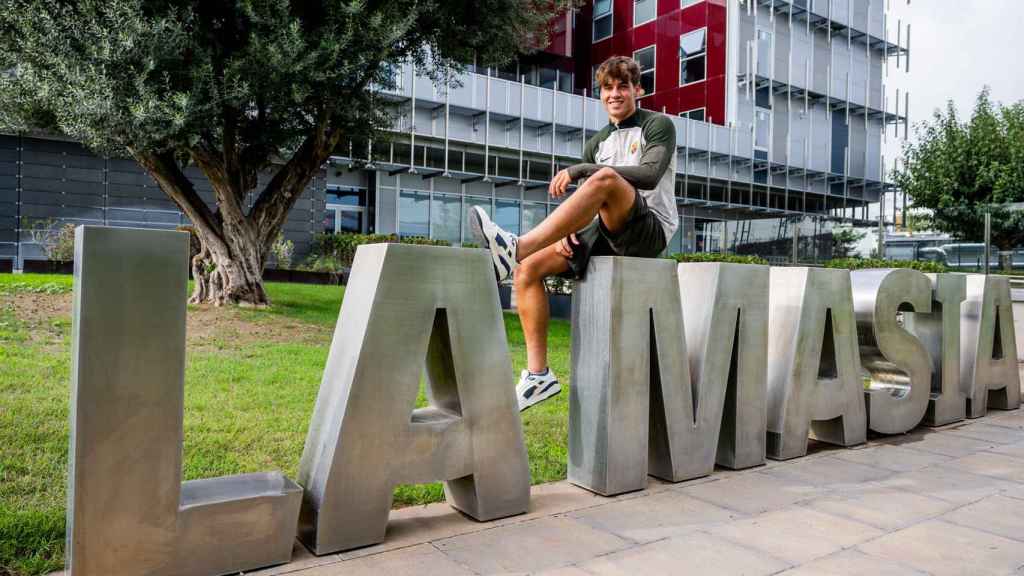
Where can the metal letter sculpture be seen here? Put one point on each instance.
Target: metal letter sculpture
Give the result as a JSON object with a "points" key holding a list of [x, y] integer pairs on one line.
{"points": [[897, 362], [988, 368], [725, 307], [128, 511], [404, 306], [630, 376], [814, 381], [939, 332]]}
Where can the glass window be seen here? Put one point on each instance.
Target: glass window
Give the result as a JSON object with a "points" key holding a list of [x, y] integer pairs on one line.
{"points": [[644, 11], [693, 56], [413, 211], [330, 217], [565, 81], [346, 196], [533, 214], [445, 222], [695, 114], [595, 90], [688, 3], [350, 221], [762, 127], [645, 57], [506, 215], [602, 19]]}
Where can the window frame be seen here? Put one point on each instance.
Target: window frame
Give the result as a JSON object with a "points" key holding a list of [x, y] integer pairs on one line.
{"points": [[651, 19], [770, 114], [703, 54], [653, 69], [593, 23], [704, 109]]}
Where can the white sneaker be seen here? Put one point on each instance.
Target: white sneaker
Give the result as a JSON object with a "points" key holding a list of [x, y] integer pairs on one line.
{"points": [[534, 388], [500, 243]]}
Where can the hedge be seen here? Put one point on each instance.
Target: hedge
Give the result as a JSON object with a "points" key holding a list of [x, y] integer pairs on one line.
{"points": [[331, 252], [862, 263], [717, 257]]}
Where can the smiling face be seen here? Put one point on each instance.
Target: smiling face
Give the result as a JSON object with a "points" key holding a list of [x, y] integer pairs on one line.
{"points": [[619, 98]]}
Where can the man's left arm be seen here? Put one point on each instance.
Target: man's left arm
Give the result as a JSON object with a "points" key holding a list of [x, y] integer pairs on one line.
{"points": [[659, 144]]}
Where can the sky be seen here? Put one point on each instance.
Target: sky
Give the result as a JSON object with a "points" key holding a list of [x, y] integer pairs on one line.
{"points": [[956, 48]]}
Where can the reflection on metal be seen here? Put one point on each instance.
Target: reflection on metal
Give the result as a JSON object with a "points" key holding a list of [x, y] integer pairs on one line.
{"points": [[814, 383], [627, 402], [897, 363], [988, 371], [939, 332], [726, 312], [128, 512], [406, 304]]}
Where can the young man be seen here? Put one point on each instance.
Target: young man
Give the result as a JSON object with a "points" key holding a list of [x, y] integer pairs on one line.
{"points": [[626, 207]]}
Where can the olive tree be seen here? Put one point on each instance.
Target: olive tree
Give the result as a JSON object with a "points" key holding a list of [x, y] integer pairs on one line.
{"points": [[237, 88]]}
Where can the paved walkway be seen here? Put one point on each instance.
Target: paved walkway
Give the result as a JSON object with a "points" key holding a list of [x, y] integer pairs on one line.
{"points": [[936, 501]]}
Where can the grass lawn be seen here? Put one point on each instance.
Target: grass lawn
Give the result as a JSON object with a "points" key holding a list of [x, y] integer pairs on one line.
{"points": [[251, 382]]}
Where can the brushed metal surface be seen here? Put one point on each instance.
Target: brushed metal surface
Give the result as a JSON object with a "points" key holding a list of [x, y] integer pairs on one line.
{"points": [[725, 307], [630, 376], [897, 363], [814, 380], [988, 370], [128, 512], [939, 332], [407, 308]]}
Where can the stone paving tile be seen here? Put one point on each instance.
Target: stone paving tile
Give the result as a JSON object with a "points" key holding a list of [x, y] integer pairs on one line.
{"points": [[421, 560], [830, 473], [938, 442], [895, 458], [982, 430], [885, 508], [948, 484], [945, 549], [301, 559], [753, 493], [852, 563], [996, 514], [696, 553], [989, 464], [530, 546], [797, 534], [420, 524], [1015, 450], [654, 517]]}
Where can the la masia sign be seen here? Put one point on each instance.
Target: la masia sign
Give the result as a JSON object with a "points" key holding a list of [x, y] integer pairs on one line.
{"points": [[675, 368]]}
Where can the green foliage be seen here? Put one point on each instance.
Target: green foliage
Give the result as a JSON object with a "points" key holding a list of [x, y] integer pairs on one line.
{"points": [[844, 240], [961, 170], [283, 251], [717, 257], [863, 263], [335, 252], [57, 241], [35, 283]]}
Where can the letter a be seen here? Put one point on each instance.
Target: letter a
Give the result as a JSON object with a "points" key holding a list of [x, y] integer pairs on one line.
{"points": [[407, 306], [988, 347], [813, 369]]}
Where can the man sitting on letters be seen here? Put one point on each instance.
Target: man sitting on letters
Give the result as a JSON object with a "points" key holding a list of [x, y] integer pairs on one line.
{"points": [[626, 207]]}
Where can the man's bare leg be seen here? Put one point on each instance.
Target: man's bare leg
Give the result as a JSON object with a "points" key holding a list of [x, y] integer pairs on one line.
{"points": [[532, 302], [605, 193]]}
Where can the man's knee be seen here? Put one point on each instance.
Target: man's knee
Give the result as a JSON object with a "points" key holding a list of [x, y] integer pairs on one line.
{"points": [[605, 177], [528, 272]]}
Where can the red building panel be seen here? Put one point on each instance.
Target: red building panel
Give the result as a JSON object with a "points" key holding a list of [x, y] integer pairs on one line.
{"points": [[664, 33]]}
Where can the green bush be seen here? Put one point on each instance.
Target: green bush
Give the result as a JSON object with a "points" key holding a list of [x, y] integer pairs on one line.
{"points": [[862, 263], [717, 257], [334, 252]]}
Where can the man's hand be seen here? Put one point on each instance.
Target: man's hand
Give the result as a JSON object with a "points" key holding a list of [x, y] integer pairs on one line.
{"points": [[560, 184], [564, 246]]}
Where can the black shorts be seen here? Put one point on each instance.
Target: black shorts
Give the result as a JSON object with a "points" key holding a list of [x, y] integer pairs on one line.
{"points": [[642, 236]]}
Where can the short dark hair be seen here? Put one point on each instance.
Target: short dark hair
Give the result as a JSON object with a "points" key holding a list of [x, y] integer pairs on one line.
{"points": [[621, 68]]}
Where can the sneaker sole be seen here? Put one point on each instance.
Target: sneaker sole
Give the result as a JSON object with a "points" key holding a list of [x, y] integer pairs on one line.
{"points": [[552, 391], [476, 227]]}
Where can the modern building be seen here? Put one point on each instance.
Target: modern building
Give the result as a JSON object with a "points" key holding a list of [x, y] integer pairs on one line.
{"points": [[780, 110]]}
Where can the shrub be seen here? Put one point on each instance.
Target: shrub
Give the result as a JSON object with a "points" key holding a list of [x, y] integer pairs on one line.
{"points": [[57, 242], [340, 249], [862, 263], [717, 257], [283, 251]]}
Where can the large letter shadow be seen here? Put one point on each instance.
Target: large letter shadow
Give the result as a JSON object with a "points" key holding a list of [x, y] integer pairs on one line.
{"points": [[128, 511], [405, 304]]}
